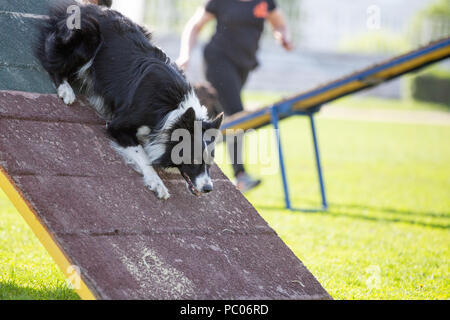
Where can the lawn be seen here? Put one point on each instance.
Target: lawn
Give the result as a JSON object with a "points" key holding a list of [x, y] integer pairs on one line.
{"points": [[26, 269], [386, 234]]}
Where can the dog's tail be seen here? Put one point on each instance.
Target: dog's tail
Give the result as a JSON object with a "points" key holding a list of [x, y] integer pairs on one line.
{"points": [[70, 36]]}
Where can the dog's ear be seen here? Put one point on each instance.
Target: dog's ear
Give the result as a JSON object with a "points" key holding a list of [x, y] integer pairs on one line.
{"points": [[217, 122], [188, 116]]}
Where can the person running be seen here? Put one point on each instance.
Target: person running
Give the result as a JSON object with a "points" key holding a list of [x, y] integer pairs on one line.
{"points": [[230, 56]]}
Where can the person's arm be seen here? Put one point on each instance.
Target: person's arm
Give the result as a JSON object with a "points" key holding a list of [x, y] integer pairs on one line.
{"points": [[280, 30], [190, 35]]}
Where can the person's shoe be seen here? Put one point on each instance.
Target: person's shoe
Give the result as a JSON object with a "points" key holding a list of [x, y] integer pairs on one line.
{"points": [[244, 182]]}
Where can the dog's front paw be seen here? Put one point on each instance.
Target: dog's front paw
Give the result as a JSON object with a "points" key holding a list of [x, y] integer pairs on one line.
{"points": [[66, 93], [158, 187]]}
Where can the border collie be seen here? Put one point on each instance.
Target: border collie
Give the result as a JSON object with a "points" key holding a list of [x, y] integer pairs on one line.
{"points": [[132, 84]]}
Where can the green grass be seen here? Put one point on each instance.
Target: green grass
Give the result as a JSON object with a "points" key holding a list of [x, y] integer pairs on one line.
{"points": [[262, 98], [26, 269], [386, 235]]}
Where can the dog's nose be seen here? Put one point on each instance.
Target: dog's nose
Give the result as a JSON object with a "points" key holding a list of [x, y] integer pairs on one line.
{"points": [[207, 188]]}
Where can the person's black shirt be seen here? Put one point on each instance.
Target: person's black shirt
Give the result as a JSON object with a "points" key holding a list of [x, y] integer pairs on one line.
{"points": [[239, 28]]}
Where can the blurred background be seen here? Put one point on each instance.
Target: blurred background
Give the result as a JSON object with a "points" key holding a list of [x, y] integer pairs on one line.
{"points": [[385, 151], [331, 38]]}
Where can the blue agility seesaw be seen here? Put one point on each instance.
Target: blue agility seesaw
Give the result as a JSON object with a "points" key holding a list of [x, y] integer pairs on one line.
{"points": [[310, 102]]}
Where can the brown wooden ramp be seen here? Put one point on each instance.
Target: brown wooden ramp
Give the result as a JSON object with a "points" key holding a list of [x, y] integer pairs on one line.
{"points": [[92, 211]]}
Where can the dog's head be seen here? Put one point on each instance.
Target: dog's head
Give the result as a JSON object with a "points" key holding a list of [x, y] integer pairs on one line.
{"points": [[187, 143], [194, 152]]}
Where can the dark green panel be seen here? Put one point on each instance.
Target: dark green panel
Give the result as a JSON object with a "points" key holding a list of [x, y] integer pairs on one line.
{"points": [[25, 6], [19, 69], [23, 79], [16, 38]]}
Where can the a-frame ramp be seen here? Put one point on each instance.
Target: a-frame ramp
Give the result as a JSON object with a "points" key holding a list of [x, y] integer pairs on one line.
{"points": [[93, 213]]}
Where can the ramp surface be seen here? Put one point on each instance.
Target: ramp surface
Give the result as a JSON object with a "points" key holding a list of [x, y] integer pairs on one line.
{"points": [[92, 211]]}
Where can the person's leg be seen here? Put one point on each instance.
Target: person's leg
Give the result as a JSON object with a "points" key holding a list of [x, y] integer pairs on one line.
{"points": [[224, 76], [238, 147], [227, 80], [235, 147], [244, 181]]}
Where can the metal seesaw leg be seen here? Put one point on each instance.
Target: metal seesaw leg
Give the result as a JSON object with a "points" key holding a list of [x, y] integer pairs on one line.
{"points": [[275, 120], [318, 163]]}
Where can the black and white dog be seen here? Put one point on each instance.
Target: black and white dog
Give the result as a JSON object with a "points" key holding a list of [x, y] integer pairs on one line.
{"points": [[134, 85]]}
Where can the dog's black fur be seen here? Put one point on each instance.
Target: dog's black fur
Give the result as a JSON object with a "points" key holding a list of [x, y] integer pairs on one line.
{"points": [[134, 83], [106, 3]]}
